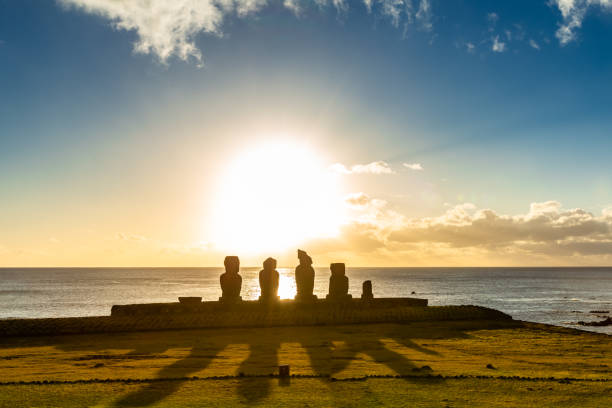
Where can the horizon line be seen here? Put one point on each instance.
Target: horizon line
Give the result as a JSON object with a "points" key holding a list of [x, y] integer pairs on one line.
{"points": [[315, 266]]}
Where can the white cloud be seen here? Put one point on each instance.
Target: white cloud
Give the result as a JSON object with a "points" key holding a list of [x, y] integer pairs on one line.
{"points": [[424, 15], [498, 46], [167, 28], [377, 167], [294, 6], [413, 166], [470, 47], [573, 13], [534, 44]]}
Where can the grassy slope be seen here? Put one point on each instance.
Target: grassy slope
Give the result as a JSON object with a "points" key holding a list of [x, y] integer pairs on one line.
{"points": [[449, 348]]}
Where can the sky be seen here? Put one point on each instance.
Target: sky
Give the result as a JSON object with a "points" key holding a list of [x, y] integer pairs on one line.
{"points": [[370, 132]]}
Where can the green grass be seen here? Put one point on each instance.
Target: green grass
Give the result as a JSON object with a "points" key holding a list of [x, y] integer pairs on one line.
{"points": [[326, 352], [314, 393]]}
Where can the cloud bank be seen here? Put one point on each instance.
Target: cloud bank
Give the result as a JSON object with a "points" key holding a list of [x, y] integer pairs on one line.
{"points": [[167, 28], [547, 234]]}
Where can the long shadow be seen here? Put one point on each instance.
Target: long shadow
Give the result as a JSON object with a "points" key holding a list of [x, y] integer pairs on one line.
{"points": [[198, 359], [326, 359], [253, 390], [202, 353], [321, 355]]}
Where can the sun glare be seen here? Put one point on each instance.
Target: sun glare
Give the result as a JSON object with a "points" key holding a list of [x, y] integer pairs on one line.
{"points": [[276, 196]]}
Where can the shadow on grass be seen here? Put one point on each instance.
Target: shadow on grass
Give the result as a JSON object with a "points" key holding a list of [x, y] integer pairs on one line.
{"points": [[330, 350], [198, 359]]}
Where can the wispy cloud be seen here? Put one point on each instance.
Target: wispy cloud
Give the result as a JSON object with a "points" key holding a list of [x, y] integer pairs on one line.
{"points": [[413, 166], [294, 6], [363, 201], [395, 10], [377, 167], [357, 199], [424, 15], [492, 19], [130, 237], [167, 28], [573, 13], [534, 44]]}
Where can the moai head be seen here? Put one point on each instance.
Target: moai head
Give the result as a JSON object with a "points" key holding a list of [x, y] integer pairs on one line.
{"points": [[269, 264], [337, 269], [232, 264], [304, 258]]}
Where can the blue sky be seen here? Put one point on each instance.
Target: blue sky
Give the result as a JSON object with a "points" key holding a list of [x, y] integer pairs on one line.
{"points": [[103, 105]]}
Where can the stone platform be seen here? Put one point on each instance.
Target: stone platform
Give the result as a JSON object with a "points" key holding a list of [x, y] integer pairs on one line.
{"points": [[254, 306], [247, 314]]}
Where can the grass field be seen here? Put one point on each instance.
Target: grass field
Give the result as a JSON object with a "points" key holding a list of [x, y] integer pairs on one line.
{"points": [[438, 364]]}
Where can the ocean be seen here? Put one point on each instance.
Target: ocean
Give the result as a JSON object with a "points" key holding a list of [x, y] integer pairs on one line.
{"points": [[559, 296]]}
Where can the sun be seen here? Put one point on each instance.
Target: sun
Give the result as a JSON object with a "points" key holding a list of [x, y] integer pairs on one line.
{"points": [[276, 196]]}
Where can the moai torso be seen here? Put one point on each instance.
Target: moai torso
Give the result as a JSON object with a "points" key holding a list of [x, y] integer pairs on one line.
{"points": [[231, 284], [338, 282], [231, 281], [304, 277], [268, 280], [304, 280]]}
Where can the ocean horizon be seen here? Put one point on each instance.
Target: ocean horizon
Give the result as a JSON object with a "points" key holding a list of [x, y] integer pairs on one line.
{"points": [[560, 296]]}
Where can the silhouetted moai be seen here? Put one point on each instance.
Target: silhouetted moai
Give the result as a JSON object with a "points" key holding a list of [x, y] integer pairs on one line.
{"points": [[366, 293], [304, 278], [268, 281], [231, 282], [338, 283]]}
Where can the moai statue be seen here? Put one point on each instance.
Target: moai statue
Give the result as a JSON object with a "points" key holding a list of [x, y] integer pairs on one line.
{"points": [[338, 283], [304, 278], [268, 281], [231, 281], [366, 294]]}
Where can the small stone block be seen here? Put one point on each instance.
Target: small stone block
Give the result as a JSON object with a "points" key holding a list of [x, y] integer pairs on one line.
{"points": [[283, 371], [190, 300]]}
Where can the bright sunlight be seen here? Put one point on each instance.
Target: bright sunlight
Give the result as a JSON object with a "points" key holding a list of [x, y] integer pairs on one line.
{"points": [[276, 196]]}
